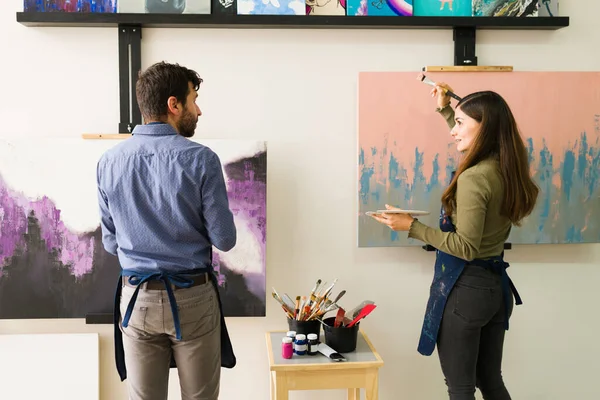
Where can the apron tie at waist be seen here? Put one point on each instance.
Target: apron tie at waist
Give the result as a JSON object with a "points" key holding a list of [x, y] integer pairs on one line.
{"points": [[499, 267], [180, 280]]}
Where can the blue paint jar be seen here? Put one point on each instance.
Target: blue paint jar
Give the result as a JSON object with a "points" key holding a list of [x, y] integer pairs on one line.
{"points": [[301, 344]]}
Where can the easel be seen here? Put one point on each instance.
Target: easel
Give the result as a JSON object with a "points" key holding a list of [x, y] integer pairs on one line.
{"points": [[96, 136], [467, 48]]}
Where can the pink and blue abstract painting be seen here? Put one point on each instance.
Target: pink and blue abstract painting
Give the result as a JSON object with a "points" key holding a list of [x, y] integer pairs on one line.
{"points": [[52, 261], [406, 154]]}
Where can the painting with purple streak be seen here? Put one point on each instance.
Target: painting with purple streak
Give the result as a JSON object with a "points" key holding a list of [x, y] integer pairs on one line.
{"points": [[52, 262]]}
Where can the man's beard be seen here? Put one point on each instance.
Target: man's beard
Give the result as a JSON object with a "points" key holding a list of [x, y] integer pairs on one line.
{"points": [[186, 126]]}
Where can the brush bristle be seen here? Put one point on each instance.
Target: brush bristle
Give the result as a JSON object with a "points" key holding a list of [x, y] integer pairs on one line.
{"points": [[421, 77]]}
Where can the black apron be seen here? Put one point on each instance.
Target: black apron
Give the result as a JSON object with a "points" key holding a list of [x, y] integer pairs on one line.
{"points": [[447, 270], [228, 359]]}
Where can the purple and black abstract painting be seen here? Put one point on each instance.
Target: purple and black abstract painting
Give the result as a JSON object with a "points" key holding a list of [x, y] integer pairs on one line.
{"points": [[49, 269]]}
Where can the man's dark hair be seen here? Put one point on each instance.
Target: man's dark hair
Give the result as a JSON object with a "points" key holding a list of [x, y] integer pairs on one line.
{"points": [[161, 81]]}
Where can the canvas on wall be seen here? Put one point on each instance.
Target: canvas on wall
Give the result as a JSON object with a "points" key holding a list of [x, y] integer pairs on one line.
{"points": [[548, 8], [164, 6], [406, 154], [52, 261], [271, 7], [81, 6], [325, 7], [443, 8], [505, 8]]}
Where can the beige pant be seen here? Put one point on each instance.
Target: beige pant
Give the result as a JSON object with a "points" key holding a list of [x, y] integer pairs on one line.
{"points": [[150, 338]]}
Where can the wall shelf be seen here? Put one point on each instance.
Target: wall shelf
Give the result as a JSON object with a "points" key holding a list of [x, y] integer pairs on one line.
{"points": [[56, 19], [130, 35]]}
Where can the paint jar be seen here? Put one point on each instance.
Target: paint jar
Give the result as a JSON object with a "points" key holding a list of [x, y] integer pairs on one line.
{"points": [[301, 345], [291, 334], [313, 344], [287, 348]]}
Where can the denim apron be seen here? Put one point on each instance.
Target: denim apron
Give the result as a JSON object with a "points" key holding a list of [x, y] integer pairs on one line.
{"points": [[447, 270], [181, 280]]}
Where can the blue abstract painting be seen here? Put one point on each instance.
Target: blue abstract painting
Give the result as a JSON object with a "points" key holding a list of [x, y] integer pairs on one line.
{"points": [[406, 155]]}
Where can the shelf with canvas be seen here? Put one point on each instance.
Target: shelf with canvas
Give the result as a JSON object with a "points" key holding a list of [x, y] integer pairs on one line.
{"points": [[130, 17], [372, 14]]}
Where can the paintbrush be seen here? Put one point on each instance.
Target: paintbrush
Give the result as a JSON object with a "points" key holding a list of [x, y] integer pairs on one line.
{"points": [[313, 298], [289, 312], [427, 81], [297, 310]]}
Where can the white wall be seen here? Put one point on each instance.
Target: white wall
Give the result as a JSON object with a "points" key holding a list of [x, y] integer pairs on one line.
{"points": [[297, 89]]}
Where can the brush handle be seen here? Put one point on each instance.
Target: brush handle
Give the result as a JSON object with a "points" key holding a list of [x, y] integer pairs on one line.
{"points": [[451, 94]]}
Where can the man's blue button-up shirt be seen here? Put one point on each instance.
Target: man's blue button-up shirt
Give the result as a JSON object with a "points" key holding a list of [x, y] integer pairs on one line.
{"points": [[163, 202]]}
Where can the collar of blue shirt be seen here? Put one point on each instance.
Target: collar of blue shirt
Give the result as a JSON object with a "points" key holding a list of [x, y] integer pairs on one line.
{"points": [[154, 128]]}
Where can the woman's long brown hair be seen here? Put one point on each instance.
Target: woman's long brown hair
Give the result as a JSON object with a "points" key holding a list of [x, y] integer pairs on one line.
{"points": [[498, 137]]}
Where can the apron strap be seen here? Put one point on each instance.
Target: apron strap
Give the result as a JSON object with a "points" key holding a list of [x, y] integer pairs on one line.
{"points": [[180, 280]]}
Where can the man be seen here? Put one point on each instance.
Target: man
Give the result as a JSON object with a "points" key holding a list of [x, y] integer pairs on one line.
{"points": [[163, 205]]}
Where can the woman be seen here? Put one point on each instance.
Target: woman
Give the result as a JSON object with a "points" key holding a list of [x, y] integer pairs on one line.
{"points": [[471, 296]]}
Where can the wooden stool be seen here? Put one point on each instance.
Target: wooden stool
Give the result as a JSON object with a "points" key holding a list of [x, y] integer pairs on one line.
{"points": [[361, 370]]}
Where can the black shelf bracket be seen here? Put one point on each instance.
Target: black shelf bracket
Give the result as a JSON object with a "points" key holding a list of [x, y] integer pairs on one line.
{"points": [[99, 318], [464, 45], [130, 63]]}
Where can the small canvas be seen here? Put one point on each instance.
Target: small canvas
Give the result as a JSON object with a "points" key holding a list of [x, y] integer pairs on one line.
{"points": [[271, 7], [224, 7], [82, 6], [505, 8], [403, 8], [356, 8], [548, 8], [443, 8], [325, 7], [164, 6]]}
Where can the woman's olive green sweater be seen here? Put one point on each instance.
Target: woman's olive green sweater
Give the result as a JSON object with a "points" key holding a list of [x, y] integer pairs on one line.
{"points": [[481, 230]]}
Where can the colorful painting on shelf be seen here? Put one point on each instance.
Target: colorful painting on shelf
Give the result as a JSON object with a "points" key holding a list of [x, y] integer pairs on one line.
{"points": [[443, 8], [325, 7], [406, 153], [52, 261], [548, 8], [79, 6], [505, 8], [164, 6], [271, 7], [402, 8], [224, 6]]}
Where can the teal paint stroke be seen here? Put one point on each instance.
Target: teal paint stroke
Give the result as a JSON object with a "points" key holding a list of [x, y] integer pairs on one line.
{"points": [[564, 213]]}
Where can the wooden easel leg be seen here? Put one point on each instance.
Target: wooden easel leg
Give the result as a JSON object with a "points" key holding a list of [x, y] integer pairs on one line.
{"points": [[372, 389], [354, 394]]}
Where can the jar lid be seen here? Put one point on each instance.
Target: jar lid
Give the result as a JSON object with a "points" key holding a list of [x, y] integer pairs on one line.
{"points": [[300, 336], [312, 336], [291, 333], [287, 340]]}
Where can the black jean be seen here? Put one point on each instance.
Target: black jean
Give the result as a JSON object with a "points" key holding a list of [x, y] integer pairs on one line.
{"points": [[471, 336]]}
